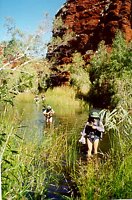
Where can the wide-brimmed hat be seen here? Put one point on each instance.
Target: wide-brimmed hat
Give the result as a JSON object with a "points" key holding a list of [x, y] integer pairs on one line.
{"points": [[49, 107], [94, 115]]}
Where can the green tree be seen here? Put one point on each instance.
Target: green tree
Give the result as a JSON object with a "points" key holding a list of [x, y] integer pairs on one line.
{"points": [[19, 58], [110, 70], [79, 75]]}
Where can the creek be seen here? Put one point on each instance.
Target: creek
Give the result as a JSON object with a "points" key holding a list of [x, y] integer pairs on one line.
{"points": [[33, 126], [33, 123]]}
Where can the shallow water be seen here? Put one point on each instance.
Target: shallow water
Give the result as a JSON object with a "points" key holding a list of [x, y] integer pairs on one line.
{"points": [[33, 127], [33, 122]]}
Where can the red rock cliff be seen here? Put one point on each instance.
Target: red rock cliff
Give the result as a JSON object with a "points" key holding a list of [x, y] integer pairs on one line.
{"points": [[82, 24]]}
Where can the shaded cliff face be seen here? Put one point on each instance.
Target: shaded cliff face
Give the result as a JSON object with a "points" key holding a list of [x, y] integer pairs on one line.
{"points": [[80, 25]]}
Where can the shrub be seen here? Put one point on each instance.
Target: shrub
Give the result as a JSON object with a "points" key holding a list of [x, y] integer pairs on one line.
{"points": [[79, 75], [109, 70]]}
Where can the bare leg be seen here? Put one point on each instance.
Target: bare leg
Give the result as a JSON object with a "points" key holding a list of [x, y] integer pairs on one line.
{"points": [[96, 143], [49, 122], [89, 147]]}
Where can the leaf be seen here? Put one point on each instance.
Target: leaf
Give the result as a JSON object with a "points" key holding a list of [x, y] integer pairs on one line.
{"points": [[14, 151], [3, 134], [18, 136], [7, 161]]}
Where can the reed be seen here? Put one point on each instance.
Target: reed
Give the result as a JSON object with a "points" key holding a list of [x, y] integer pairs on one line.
{"points": [[63, 99], [29, 167], [110, 177], [24, 97]]}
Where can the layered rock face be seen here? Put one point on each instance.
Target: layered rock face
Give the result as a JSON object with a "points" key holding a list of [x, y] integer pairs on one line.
{"points": [[80, 25]]}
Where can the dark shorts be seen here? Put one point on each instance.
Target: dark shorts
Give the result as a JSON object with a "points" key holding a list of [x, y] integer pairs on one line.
{"points": [[92, 137]]}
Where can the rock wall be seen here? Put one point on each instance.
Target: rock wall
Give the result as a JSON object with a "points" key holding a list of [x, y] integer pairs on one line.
{"points": [[82, 24]]}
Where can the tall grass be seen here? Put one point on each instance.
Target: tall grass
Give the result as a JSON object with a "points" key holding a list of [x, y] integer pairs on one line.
{"points": [[24, 97], [28, 168], [111, 177], [110, 74], [63, 99]]}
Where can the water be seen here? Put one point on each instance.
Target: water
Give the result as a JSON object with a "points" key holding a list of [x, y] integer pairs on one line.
{"points": [[33, 122], [33, 126]]}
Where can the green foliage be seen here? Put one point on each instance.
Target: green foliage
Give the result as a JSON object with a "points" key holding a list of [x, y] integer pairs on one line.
{"points": [[29, 167], [79, 76], [108, 70], [58, 23], [14, 82], [123, 90], [110, 178], [68, 36], [19, 43], [43, 74], [5, 95], [12, 49], [56, 41], [121, 57], [22, 169], [17, 63], [118, 124], [63, 98]]}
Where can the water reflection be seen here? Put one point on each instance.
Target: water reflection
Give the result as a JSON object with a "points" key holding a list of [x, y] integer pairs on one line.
{"points": [[34, 125], [34, 128]]}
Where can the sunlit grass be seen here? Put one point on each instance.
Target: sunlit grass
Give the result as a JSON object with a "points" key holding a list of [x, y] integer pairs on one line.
{"points": [[24, 97], [36, 165], [111, 177], [63, 99]]}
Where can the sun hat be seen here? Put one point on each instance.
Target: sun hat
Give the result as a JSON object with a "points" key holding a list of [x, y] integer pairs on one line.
{"points": [[94, 115], [49, 107]]}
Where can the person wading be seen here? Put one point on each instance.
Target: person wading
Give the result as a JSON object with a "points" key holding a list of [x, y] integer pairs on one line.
{"points": [[48, 113], [92, 133], [36, 99], [43, 99]]}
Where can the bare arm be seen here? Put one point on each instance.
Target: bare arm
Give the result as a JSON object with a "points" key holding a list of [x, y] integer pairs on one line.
{"points": [[99, 127], [83, 132]]}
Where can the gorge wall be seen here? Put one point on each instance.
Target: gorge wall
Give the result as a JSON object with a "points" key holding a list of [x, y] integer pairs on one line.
{"points": [[80, 25]]}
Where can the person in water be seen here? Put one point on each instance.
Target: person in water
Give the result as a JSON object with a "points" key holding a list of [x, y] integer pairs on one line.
{"points": [[92, 133], [43, 98], [36, 98], [48, 113]]}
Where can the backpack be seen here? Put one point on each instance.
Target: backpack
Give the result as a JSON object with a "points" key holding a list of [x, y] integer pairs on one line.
{"points": [[90, 131]]}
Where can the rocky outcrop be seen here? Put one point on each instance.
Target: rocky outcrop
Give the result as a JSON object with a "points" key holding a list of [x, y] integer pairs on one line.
{"points": [[80, 25]]}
